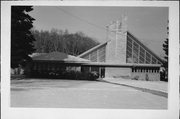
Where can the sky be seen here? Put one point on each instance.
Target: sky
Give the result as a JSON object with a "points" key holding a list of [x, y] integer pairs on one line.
{"points": [[148, 24]]}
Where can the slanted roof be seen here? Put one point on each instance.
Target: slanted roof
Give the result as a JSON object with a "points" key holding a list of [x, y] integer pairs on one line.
{"points": [[57, 56], [134, 38], [36, 54], [92, 49]]}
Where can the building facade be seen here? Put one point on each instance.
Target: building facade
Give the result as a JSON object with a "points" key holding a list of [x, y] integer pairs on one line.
{"points": [[123, 55]]}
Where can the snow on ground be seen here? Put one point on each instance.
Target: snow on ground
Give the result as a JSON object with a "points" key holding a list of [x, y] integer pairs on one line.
{"points": [[152, 85], [81, 94]]}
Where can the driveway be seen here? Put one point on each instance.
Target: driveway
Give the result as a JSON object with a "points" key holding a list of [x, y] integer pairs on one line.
{"points": [[81, 94]]}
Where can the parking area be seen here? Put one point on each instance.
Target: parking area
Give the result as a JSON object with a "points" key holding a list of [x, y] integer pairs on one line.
{"points": [[81, 94]]}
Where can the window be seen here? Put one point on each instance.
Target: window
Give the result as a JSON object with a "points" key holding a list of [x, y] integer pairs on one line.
{"points": [[86, 56], [93, 56], [148, 58], [102, 54], [142, 55], [159, 62], [129, 51], [135, 52], [153, 60]]}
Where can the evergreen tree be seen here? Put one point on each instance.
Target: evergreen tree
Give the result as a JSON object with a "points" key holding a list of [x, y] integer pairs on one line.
{"points": [[165, 48], [21, 37]]}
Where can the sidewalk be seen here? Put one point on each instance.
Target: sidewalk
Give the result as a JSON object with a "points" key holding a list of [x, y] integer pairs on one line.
{"points": [[155, 87]]}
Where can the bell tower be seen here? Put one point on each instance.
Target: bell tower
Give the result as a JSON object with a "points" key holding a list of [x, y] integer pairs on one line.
{"points": [[117, 37]]}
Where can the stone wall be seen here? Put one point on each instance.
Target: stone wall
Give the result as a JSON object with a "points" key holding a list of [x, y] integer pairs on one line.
{"points": [[116, 47], [121, 48]]}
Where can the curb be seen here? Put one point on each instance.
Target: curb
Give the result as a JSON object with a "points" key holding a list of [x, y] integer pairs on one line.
{"points": [[155, 92]]}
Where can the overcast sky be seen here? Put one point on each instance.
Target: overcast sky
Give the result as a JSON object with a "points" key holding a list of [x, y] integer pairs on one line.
{"points": [[148, 24]]}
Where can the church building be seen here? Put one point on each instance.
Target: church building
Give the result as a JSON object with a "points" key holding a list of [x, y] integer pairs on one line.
{"points": [[123, 55]]}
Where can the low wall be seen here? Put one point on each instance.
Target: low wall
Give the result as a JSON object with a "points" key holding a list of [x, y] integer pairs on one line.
{"points": [[145, 76], [127, 72], [117, 72]]}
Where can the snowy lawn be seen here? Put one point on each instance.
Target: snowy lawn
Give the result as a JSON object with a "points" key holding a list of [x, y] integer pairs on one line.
{"points": [[81, 94]]}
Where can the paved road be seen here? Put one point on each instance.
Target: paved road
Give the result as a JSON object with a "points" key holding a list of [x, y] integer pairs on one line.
{"points": [[81, 94]]}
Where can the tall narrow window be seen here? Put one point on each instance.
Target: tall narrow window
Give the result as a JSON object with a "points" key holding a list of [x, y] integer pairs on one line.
{"points": [[93, 56], [102, 54], [148, 58], [153, 60], [129, 51], [135, 52], [142, 55]]}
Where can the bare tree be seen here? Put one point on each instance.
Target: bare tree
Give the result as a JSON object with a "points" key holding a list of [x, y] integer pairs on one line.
{"points": [[62, 41]]}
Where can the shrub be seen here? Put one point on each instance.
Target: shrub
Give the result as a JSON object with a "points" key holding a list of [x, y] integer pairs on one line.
{"points": [[147, 77], [67, 74], [163, 76], [136, 78]]}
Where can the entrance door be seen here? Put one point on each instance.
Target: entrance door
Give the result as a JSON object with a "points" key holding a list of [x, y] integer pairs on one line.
{"points": [[102, 74]]}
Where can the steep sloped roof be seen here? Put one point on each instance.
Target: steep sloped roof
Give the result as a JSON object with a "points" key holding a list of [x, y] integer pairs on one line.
{"points": [[129, 34], [148, 49], [92, 49], [57, 56]]}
